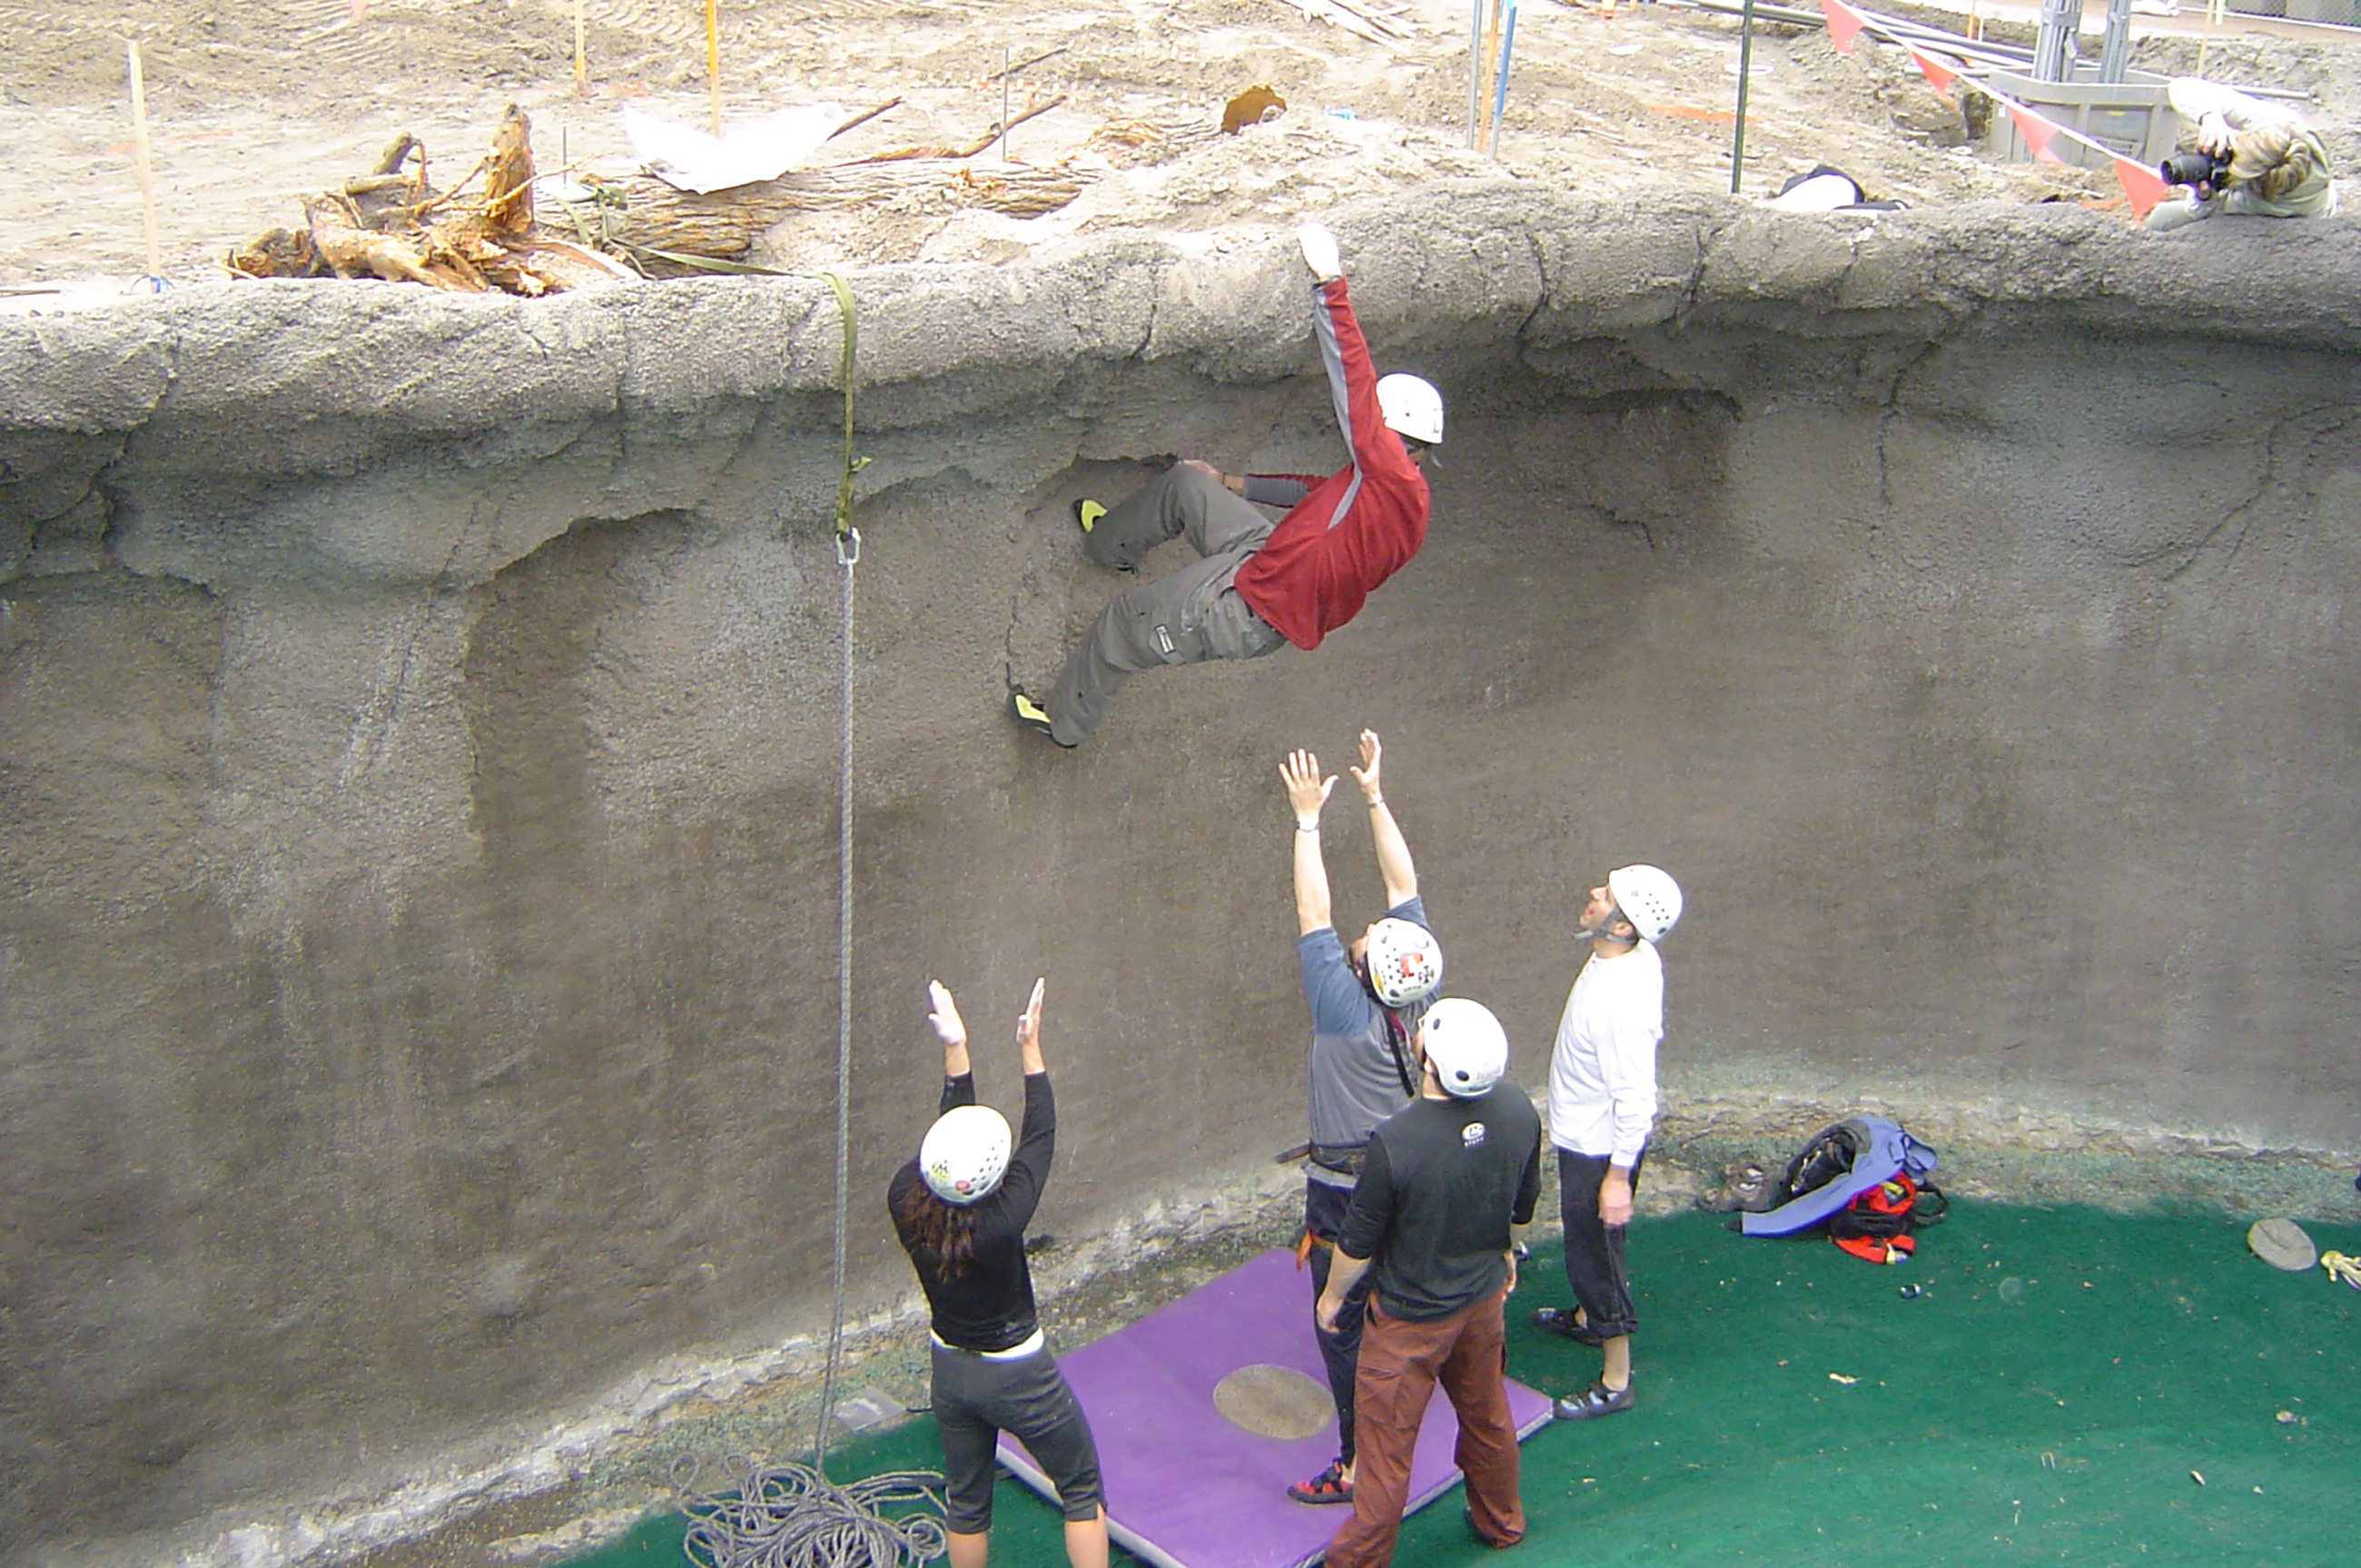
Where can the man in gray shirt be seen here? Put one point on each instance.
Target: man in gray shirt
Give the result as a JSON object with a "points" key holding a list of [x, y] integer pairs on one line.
{"points": [[1365, 1004]]}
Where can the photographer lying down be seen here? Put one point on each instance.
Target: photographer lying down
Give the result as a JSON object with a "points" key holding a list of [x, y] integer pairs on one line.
{"points": [[2253, 158]]}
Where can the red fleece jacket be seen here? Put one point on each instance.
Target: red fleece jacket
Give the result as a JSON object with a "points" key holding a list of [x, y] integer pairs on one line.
{"points": [[1354, 529]]}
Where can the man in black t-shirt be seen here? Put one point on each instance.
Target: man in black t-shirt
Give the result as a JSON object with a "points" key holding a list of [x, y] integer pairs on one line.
{"points": [[1434, 1218]]}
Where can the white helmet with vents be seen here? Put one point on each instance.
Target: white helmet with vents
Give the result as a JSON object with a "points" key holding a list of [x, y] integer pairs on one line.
{"points": [[1648, 898], [965, 1154], [1411, 407], [1465, 1044], [1405, 961]]}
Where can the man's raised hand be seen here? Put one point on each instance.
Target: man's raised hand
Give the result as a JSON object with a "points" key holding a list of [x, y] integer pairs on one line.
{"points": [[1366, 775], [1319, 252], [1307, 792]]}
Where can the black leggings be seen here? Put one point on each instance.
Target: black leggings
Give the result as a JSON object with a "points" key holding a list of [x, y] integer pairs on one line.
{"points": [[976, 1399]]}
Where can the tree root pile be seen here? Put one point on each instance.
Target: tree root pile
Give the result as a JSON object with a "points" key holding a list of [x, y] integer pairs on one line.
{"points": [[499, 229], [393, 223]]}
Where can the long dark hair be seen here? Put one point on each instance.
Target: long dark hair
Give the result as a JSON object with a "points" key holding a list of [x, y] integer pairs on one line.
{"points": [[945, 1230]]}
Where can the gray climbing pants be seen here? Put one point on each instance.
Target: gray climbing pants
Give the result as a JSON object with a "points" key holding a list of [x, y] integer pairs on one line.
{"points": [[1183, 618]]}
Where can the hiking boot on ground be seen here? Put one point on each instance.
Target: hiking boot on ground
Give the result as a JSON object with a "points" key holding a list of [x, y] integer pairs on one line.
{"points": [[1031, 715], [1598, 1400], [1328, 1486], [1745, 1188], [1560, 1320]]}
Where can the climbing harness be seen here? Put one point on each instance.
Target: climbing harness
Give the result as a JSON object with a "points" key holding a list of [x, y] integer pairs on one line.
{"points": [[793, 1516]]}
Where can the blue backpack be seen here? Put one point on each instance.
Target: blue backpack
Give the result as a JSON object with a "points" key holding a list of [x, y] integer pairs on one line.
{"points": [[1841, 1163]]}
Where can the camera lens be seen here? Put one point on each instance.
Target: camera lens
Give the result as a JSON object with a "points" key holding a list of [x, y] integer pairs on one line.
{"points": [[2191, 168]]}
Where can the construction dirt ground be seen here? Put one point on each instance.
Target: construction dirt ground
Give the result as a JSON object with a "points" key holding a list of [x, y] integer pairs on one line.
{"points": [[251, 107]]}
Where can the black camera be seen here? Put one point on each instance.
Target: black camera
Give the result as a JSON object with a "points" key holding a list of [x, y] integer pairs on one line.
{"points": [[2195, 168]]}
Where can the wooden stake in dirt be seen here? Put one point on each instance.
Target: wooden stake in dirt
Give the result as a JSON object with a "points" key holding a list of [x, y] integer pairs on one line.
{"points": [[581, 65], [1491, 47], [1474, 65], [713, 59], [1501, 80], [146, 170]]}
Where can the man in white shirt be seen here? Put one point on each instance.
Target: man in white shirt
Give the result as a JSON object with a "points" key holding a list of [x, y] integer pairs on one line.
{"points": [[1602, 1105]]}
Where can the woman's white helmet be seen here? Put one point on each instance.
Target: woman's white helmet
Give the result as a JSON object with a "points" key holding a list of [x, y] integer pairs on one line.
{"points": [[1648, 898], [1405, 961], [965, 1154], [1411, 407], [1465, 1044]]}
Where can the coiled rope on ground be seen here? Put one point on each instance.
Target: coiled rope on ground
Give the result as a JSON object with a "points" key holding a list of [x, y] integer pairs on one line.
{"points": [[791, 1515]]}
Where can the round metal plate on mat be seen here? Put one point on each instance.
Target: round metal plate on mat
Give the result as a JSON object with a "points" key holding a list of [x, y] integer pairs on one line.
{"points": [[1274, 1401], [2282, 1244]]}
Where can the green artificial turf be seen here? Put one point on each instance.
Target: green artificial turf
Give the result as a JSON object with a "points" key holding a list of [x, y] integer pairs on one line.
{"points": [[2053, 1395]]}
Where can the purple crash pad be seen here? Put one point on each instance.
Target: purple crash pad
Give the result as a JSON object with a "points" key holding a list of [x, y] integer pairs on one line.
{"points": [[1188, 1488]]}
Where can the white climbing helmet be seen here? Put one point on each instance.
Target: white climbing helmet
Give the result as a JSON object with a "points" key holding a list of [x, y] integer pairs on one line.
{"points": [[1465, 1044], [1410, 407], [1649, 899], [1405, 961], [965, 1154]]}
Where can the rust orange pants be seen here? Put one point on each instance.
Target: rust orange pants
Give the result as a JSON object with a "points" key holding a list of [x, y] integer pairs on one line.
{"points": [[1401, 1363]]}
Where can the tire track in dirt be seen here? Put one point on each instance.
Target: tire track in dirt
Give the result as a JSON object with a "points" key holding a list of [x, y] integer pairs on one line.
{"points": [[650, 23]]}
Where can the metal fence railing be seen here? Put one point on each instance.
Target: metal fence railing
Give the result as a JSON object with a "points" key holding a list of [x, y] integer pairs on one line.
{"points": [[2337, 13]]}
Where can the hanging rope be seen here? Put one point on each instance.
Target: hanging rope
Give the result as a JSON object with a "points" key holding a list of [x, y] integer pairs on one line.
{"points": [[847, 555], [844, 529], [793, 1516]]}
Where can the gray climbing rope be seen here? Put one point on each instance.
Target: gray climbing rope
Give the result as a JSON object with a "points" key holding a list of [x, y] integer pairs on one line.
{"points": [[791, 1515], [847, 555]]}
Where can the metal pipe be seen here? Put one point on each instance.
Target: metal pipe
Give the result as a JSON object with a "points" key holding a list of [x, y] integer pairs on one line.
{"points": [[2115, 53], [2053, 47], [1892, 27], [1981, 51], [1745, 68]]}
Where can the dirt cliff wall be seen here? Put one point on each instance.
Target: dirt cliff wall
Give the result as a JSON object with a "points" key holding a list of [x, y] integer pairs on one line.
{"points": [[418, 755]]}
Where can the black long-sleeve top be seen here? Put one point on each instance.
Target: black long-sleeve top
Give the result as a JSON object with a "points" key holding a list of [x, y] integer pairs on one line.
{"points": [[988, 1305], [1444, 1181]]}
